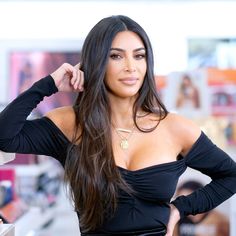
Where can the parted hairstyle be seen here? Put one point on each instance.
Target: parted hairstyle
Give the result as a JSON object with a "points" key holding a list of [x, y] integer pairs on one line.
{"points": [[90, 169]]}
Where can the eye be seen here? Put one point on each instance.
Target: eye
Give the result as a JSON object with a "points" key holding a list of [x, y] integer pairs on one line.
{"points": [[140, 56], [115, 56]]}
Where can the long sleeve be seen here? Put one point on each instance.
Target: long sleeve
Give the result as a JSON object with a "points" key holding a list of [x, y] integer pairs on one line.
{"points": [[38, 136], [214, 162]]}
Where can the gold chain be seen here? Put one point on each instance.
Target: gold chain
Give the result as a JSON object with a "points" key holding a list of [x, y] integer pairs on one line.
{"points": [[124, 144]]}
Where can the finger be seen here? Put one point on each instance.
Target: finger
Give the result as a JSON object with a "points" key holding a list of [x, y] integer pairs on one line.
{"points": [[76, 80], [81, 81], [74, 76], [74, 73], [70, 70], [77, 66], [78, 85]]}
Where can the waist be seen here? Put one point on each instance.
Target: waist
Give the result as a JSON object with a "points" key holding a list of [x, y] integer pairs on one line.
{"points": [[150, 232]]}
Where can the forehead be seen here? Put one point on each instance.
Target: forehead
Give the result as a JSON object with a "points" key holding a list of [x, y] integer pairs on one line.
{"points": [[127, 40]]}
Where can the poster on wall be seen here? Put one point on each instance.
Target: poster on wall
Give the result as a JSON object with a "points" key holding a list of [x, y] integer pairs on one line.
{"points": [[161, 81], [230, 131], [222, 88], [186, 93], [27, 61], [223, 99], [28, 67]]}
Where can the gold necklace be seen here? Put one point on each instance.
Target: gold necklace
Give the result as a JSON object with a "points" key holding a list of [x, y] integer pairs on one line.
{"points": [[124, 144]]}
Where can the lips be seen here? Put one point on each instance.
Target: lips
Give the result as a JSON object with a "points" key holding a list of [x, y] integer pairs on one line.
{"points": [[129, 80]]}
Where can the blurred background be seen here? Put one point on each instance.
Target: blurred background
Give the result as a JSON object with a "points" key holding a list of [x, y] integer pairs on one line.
{"points": [[194, 44]]}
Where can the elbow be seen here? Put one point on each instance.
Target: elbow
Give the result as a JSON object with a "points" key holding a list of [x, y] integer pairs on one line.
{"points": [[6, 146], [230, 180]]}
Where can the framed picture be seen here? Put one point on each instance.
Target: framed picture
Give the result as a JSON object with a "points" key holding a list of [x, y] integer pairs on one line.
{"points": [[186, 93], [26, 61], [222, 89]]}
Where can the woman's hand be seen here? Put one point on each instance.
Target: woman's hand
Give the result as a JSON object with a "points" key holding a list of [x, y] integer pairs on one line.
{"points": [[174, 218], [68, 78]]}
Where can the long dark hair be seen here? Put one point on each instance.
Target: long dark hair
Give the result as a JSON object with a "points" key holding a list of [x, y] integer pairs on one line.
{"points": [[90, 167]]}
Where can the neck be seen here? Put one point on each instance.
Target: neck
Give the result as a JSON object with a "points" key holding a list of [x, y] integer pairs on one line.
{"points": [[124, 122], [122, 113]]}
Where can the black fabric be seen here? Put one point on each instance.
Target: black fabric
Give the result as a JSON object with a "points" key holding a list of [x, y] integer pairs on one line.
{"points": [[148, 208], [214, 162], [37, 136], [154, 232]]}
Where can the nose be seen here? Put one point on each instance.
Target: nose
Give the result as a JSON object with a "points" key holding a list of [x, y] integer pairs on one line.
{"points": [[130, 65]]}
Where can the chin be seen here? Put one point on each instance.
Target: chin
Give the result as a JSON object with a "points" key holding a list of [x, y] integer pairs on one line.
{"points": [[122, 92], [128, 95]]}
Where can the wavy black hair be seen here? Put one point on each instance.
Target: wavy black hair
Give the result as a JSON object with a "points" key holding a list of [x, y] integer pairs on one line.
{"points": [[90, 168]]}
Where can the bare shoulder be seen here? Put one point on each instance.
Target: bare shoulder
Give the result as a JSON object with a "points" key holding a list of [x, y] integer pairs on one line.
{"points": [[184, 130], [64, 119]]}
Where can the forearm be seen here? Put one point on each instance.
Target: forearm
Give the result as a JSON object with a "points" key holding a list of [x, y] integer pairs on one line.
{"points": [[13, 117], [204, 199], [38, 136], [214, 162], [17, 134]]}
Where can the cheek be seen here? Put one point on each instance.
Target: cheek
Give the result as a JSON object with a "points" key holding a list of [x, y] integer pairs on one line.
{"points": [[143, 70], [109, 71], [114, 68], [143, 67], [110, 76], [113, 71]]}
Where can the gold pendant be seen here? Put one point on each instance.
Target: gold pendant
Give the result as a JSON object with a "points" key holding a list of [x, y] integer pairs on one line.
{"points": [[124, 144]]}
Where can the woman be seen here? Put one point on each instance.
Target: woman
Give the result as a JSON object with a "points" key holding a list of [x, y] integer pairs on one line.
{"points": [[122, 151]]}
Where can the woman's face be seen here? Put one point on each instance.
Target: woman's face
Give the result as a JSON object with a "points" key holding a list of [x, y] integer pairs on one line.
{"points": [[127, 65]]}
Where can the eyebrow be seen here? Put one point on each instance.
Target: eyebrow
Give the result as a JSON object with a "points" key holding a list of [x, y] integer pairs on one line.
{"points": [[122, 50]]}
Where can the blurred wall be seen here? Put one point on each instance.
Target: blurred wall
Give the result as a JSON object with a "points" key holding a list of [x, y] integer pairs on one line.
{"points": [[168, 23]]}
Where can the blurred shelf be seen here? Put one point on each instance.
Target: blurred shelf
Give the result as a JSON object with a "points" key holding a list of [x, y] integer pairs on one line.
{"points": [[13, 210], [35, 219], [32, 170], [7, 230], [29, 220]]}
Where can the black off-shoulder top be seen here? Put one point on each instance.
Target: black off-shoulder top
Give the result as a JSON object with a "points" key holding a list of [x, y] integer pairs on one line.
{"points": [[148, 207]]}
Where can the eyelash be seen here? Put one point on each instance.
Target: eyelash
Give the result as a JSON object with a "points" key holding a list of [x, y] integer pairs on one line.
{"points": [[115, 56], [140, 56]]}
